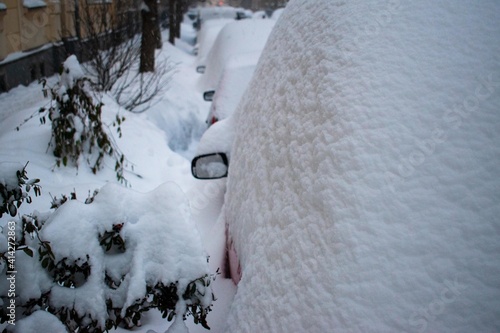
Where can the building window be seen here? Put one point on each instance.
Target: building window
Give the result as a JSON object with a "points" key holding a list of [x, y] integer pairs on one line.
{"points": [[2, 6]]}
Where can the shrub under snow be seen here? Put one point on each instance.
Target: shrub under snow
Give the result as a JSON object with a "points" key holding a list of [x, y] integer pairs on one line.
{"points": [[77, 129], [102, 263]]}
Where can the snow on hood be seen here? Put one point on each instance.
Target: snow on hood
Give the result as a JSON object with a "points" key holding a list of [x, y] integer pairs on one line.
{"points": [[363, 191]]}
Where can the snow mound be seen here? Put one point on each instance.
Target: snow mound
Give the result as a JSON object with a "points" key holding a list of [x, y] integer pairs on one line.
{"points": [[72, 72], [162, 245], [364, 184], [40, 322], [8, 174]]}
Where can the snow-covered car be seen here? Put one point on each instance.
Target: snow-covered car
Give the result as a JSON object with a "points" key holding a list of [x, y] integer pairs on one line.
{"points": [[205, 39], [277, 13], [363, 190], [239, 42], [259, 15], [205, 14], [214, 147], [231, 87]]}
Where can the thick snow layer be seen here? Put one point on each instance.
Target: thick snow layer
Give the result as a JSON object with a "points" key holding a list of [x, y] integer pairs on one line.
{"points": [[364, 187], [182, 112], [40, 322], [218, 138], [72, 71], [8, 174], [236, 38], [162, 245], [206, 37]]}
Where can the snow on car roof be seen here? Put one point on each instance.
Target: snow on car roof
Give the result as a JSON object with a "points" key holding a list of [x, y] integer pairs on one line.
{"points": [[239, 37], [363, 190], [207, 35]]}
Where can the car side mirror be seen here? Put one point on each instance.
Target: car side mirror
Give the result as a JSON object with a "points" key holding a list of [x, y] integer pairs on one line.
{"points": [[210, 166], [209, 95], [200, 69]]}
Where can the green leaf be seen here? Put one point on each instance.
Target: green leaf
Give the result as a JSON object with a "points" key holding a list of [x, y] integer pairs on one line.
{"points": [[45, 262], [28, 251]]}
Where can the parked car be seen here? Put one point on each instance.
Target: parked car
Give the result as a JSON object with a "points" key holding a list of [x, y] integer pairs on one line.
{"points": [[230, 90], [277, 13], [205, 14], [205, 39], [363, 183], [237, 42], [214, 147]]}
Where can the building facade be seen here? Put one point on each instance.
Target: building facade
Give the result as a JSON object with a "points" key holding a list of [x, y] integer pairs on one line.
{"points": [[37, 35], [30, 31]]}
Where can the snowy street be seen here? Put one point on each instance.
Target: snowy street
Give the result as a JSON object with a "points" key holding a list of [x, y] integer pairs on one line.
{"points": [[332, 167]]}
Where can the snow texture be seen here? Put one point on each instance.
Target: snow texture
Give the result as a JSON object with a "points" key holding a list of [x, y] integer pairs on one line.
{"points": [[8, 174], [218, 138], [162, 245], [41, 322], [72, 72], [364, 187]]}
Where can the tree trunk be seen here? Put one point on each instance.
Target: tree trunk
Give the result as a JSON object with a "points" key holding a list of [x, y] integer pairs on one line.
{"points": [[149, 36], [171, 21], [179, 10]]}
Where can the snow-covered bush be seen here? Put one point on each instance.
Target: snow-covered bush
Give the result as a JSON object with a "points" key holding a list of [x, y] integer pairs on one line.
{"points": [[14, 187], [77, 128], [102, 263]]}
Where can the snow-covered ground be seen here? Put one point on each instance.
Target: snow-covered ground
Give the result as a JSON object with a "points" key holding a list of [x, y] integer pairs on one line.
{"points": [[158, 143]]}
